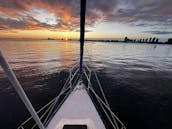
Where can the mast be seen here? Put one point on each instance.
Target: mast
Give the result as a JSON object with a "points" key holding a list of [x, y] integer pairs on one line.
{"points": [[82, 31]]}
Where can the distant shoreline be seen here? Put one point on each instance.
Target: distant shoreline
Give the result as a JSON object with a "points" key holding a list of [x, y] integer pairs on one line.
{"points": [[118, 41], [89, 40]]}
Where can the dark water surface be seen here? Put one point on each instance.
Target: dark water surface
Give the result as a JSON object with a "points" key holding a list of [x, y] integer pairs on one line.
{"points": [[136, 78]]}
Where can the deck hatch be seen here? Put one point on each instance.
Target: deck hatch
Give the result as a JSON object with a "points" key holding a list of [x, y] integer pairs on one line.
{"points": [[75, 127]]}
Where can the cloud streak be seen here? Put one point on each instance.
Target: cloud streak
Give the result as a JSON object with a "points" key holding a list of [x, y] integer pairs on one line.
{"points": [[64, 14], [158, 32]]}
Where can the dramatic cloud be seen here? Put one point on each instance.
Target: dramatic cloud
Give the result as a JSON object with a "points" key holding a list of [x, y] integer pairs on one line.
{"points": [[64, 14], [133, 11], [158, 32]]}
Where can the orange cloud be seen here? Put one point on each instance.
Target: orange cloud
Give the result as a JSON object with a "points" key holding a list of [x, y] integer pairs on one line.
{"points": [[63, 15]]}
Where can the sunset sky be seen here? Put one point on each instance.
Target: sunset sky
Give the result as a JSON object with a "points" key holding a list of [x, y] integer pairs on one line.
{"points": [[105, 19]]}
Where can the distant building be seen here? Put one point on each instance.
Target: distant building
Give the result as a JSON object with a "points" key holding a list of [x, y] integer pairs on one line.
{"points": [[146, 40], [150, 40], [170, 40], [157, 40], [127, 40], [153, 40]]}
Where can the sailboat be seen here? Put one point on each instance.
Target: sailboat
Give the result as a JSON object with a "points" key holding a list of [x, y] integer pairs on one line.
{"points": [[77, 106]]}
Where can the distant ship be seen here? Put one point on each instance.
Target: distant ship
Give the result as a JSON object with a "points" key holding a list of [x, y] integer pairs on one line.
{"points": [[50, 39]]}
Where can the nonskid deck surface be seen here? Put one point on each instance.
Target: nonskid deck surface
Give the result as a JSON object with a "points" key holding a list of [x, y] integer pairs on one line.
{"points": [[77, 109]]}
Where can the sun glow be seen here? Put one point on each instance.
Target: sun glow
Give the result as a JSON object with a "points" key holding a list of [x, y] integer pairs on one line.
{"points": [[59, 19]]}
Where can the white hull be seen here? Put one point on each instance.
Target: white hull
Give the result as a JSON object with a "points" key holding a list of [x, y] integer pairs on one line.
{"points": [[77, 109]]}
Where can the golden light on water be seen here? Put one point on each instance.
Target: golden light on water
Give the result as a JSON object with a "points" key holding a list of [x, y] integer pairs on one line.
{"points": [[39, 34]]}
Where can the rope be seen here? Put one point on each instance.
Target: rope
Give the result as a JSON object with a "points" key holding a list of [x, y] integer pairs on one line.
{"points": [[43, 115], [102, 92], [100, 103], [105, 98], [114, 126], [104, 105], [19, 90], [53, 100], [38, 112]]}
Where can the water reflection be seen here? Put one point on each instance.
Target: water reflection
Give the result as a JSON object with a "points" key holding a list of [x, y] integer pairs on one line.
{"points": [[137, 78], [42, 55]]}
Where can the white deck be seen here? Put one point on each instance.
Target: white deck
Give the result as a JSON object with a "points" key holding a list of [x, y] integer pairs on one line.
{"points": [[78, 108]]}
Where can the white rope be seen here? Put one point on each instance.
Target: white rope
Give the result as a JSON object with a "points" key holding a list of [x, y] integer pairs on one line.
{"points": [[53, 105], [51, 102], [67, 86], [114, 126], [104, 97], [64, 97], [37, 113], [106, 106], [19, 90], [43, 115]]}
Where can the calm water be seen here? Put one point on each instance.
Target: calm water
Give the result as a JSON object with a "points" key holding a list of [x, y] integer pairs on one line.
{"points": [[137, 79]]}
